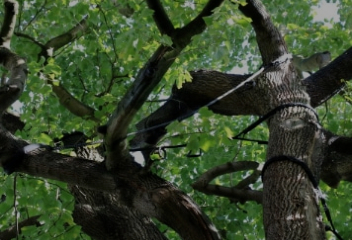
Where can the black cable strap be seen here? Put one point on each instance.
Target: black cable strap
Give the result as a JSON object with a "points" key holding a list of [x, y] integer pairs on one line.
{"points": [[294, 160], [271, 113], [252, 140], [312, 180]]}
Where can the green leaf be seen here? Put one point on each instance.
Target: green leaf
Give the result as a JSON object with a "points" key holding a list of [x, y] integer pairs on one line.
{"points": [[193, 143]]}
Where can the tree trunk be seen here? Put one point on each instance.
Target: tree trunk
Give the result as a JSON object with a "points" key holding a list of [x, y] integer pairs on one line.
{"points": [[290, 204]]}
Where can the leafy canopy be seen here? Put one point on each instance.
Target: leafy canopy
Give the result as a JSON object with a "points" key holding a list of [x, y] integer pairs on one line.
{"points": [[99, 66]]}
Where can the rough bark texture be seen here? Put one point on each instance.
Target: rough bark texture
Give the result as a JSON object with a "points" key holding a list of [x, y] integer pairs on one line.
{"points": [[288, 192], [103, 215]]}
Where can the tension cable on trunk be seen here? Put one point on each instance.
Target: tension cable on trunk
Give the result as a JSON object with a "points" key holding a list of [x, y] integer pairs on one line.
{"points": [[312, 180], [268, 115]]}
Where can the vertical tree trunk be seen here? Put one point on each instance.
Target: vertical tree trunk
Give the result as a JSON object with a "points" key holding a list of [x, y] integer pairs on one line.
{"points": [[291, 208], [290, 203]]}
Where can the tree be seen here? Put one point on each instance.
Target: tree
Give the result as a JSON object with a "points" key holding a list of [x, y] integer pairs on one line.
{"points": [[101, 67]]}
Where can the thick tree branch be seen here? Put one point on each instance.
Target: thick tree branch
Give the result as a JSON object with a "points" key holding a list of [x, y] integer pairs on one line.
{"points": [[58, 42], [148, 77], [161, 19], [271, 44], [101, 213], [12, 122], [8, 26], [143, 192], [47, 164], [52, 165], [326, 82], [73, 104], [102, 216], [337, 164], [178, 211], [13, 88], [204, 88]]}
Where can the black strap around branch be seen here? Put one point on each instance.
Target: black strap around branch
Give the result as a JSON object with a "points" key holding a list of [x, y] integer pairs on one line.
{"points": [[271, 113], [312, 180], [294, 160]]}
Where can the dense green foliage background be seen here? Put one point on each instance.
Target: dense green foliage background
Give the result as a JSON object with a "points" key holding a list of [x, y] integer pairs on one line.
{"points": [[98, 67]]}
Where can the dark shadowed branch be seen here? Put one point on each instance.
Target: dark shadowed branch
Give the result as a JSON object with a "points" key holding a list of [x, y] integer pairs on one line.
{"points": [[73, 104], [8, 26], [148, 77], [14, 87], [12, 122], [337, 164], [240, 192], [36, 42], [62, 40], [325, 83], [47, 164], [161, 19], [205, 87]]}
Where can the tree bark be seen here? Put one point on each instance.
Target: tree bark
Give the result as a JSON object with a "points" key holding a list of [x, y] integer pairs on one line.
{"points": [[115, 199], [290, 204], [104, 215]]}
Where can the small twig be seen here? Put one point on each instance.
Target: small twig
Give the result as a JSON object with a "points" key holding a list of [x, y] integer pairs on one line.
{"points": [[19, 34], [35, 16], [110, 33], [240, 191], [81, 79]]}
